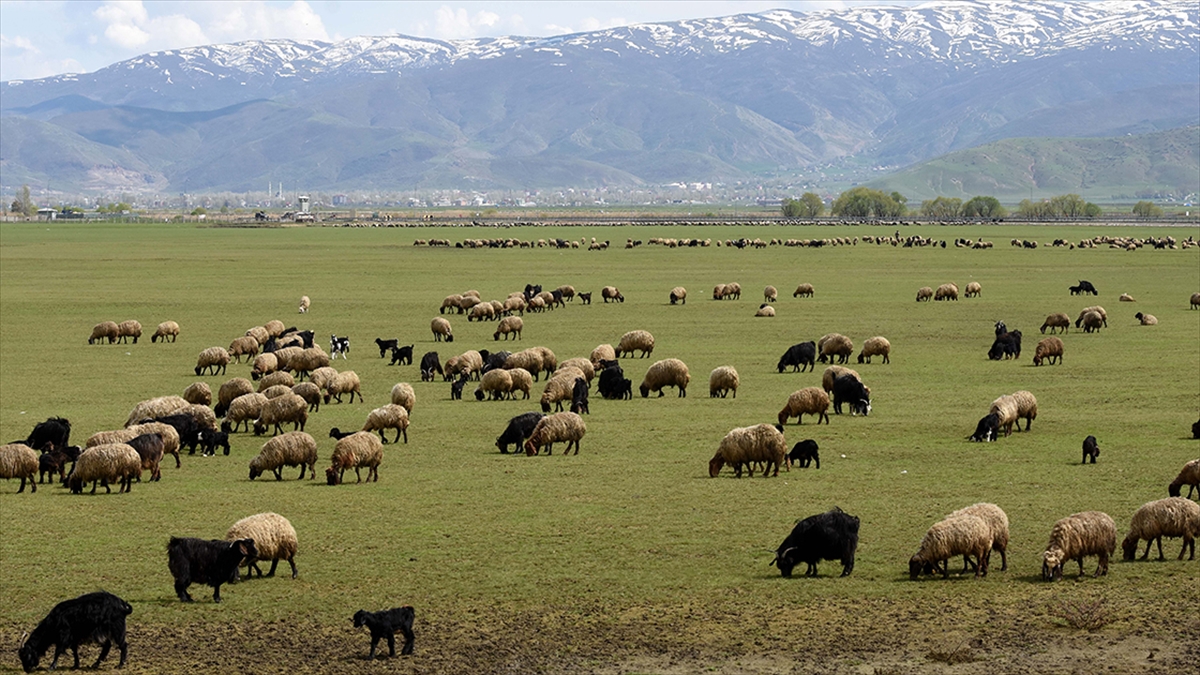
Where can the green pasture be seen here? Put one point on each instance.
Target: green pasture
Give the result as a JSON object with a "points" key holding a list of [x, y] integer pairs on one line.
{"points": [[632, 529]]}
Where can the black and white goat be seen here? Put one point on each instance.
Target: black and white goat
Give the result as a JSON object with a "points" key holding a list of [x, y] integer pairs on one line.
{"points": [[338, 345]]}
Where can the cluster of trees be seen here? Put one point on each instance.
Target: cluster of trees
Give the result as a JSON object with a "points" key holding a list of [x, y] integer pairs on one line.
{"points": [[863, 202], [953, 207], [1061, 206], [808, 206], [23, 204], [1147, 209]]}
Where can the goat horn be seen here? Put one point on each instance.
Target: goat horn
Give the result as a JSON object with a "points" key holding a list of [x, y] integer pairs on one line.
{"points": [[24, 637]]}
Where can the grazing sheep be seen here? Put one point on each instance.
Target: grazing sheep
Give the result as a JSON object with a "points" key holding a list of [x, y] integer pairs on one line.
{"points": [[1026, 408], [94, 617], [1050, 349], [744, 446], [803, 291], [799, 357], [356, 451], [281, 410], [666, 373], [1057, 320], [165, 329], [495, 384], [1090, 450], [276, 379], [343, 383], [18, 460], [149, 448], [1094, 308], [104, 330], [810, 400], [1007, 408], [1195, 301], [170, 436], [212, 562], [635, 340], [604, 352], [765, 310], [295, 448], [1170, 517], [771, 294], [522, 381], [946, 292], [441, 330], [482, 311], [311, 394], [1078, 535], [1189, 476], [243, 346], [274, 327], [719, 292], [559, 388], [154, 408], [322, 376], [924, 293], [722, 380], [849, 389], [309, 360], [832, 373], [962, 534], [733, 290], [305, 303], [1092, 322], [284, 356], [529, 359], [403, 395], [549, 360], [519, 428], [1146, 319], [973, 290], [567, 292], [468, 363], [805, 453], [583, 365], [104, 464], [384, 625], [611, 293], [1125, 297], [274, 539], [450, 302], [832, 535], [129, 329], [214, 358], [876, 346], [244, 409], [198, 393], [507, 325], [259, 333], [678, 295], [556, 428], [835, 345], [997, 522], [275, 391]]}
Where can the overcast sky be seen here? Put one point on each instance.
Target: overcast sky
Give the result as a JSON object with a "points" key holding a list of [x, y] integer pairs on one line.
{"points": [[38, 39]]}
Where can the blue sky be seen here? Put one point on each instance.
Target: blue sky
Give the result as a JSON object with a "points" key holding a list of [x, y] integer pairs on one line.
{"points": [[38, 39]]}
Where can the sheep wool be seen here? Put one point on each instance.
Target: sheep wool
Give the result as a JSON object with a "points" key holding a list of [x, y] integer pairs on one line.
{"points": [[803, 291], [199, 393], [997, 522], [528, 359], [1189, 476], [832, 373], [164, 330], [469, 362], [281, 410], [403, 395], [666, 373], [308, 360], [974, 290], [105, 330], [770, 294], [295, 448], [876, 346], [1048, 349], [549, 360], [310, 392], [835, 345], [1006, 407], [1076, 536], [111, 462], [274, 328], [230, 390], [635, 340], [678, 295], [810, 400], [245, 409], [275, 391], [441, 329], [18, 460], [354, 452], [214, 358], [560, 388], [963, 534], [243, 346], [1026, 408], [1125, 297], [259, 333], [946, 292], [496, 384], [924, 293], [723, 380], [604, 352], [168, 433], [279, 377], [390, 416], [765, 310], [1170, 517], [556, 428], [305, 303], [155, 408], [583, 365], [322, 376], [129, 328], [744, 446], [274, 540], [1092, 322], [507, 325], [284, 356], [1057, 320], [522, 381]]}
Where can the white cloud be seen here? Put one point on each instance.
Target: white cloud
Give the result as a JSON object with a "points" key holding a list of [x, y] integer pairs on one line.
{"points": [[592, 23], [21, 59], [458, 24], [233, 22], [127, 25], [555, 29]]}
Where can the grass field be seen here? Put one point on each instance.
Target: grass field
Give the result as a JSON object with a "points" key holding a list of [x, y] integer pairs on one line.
{"points": [[627, 557]]}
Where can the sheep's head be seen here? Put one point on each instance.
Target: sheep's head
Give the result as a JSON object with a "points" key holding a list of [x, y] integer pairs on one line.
{"points": [[29, 654], [531, 448], [1129, 546], [915, 566], [332, 477], [479, 394], [260, 428], [255, 472], [784, 562], [198, 369], [1052, 561], [715, 464], [645, 391]]}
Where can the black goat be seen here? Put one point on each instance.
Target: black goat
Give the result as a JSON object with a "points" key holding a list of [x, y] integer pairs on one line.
{"points": [[799, 356], [832, 535], [848, 389], [384, 625], [611, 377], [519, 429], [339, 434], [211, 562], [401, 356], [1001, 329], [430, 365], [54, 461], [1006, 345], [805, 453], [579, 397], [494, 361], [95, 617], [211, 439], [1090, 450], [385, 345], [55, 430], [987, 430], [456, 387], [585, 298], [149, 448], [185, 425], [532, 290]]}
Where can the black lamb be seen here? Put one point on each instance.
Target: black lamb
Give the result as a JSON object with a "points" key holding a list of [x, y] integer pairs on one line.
{"points": [[384, 625], [401, 356], [211, 562], [430, 365], [55, 460], [456, 387], [610, 380], [579, 397], [519, 429], [55, 430], [385, 345], [494, 361], [799, 356], [95, 617], [149, 448], [211, 439], [832, 535], [1090, 450], [987, 429], [805, 453], [848, 389]]}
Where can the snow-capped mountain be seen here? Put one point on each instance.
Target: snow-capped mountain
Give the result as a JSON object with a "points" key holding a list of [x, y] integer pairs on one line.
{"points": [[691, 99]]}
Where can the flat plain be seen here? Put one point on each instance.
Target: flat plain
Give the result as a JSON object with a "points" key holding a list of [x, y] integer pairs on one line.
{"points": [[627, 557]]}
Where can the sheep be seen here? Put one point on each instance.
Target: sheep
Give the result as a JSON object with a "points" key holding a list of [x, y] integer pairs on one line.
{"points": [[946, 292], [309, 360], [678, 295], [583, 365], [743, 446], [55, 432], [611, 293], [1092, 322], [833, 372], [54, 461], [604, 352], [666, 373], [212, 562], [765, 310], [849, 389], [770, 294], [482, 311], [567, 292], [556, 428], [997, 522], [281, 410], [1125, 297], [518, 429], [149, 448], [294, 448], [260, 334], [1094, 308], [311, 394], [170, 436], [804, 291], [284, 356], [733, 290], [1090, 450], [385, 625], [537, 304], [164, 330], [804, 453], [344, 382], [635, 340], [1050, 349], [1078, 535], [93, 617], [496, 384], [722, 380], [468, 363], [230, 390], [835, 344], [1026, 408], [243, 346], [515, 304], [1057, 320], [199, 393], [1007, 408], [962, 534], [275, 379], [1189, 476], [104, 330], [441, 330], [155, 408], [974, 290], [809, 400], [719, 292], [1195, 302], [244, 409], [876, 346], [322, 376], [585, 298], [1146, 319], [106, 463], [275, 391], [274, 539], [129, 329], [522, 381], [1170, 517], [549, 360], [800, 357], [450, 302], [924, 293], [356, 451], [305, 303], [507, 325], [214, 358], [560, 388], [18, 460], [832, 535]]}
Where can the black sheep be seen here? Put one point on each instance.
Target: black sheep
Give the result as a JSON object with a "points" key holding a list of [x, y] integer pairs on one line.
{"points": [[149, 448], [54, 461], [307, 337], [385, 345], [1006, 345], [55, 430], [210, 440], [987, 429], [848, 389], [579, 397], [384, 625], [430, 365], [799, 356], [401, 355], [519, 429], [832, 535], [585, 298], [211, 562], [95, 617], [805, 453], [1090, 450], [610, 380], [1087, 287], [494, 361]]}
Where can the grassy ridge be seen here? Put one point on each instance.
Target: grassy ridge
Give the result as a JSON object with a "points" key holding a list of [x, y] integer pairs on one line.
{"points": [[631, 530]]}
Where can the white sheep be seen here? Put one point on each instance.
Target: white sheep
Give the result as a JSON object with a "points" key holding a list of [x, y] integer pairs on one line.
{"points": [[259, 333], [1146, 319], [1057, 320], [1195, 302], [832, 373], [305, 303], [1006, 407], [245, 345], [284, 356], [924, 293], [244, 409], [390, 416], [274, 540], [556, 428], [344, 383], [106, 463], [549, 360], [522, 381], [666, 373], [604, 352], [168, 433], [311, 394], [810, 400], [509, 325], [963, 534], [946, 292], [678, 295], [583, 365], [765, 310], [156, 407], [495, 384], [214, 358], [974, 290], [309, 360], [1092, 322], [834, 345], [770, 294], [441, 330], [635, 340], [468, 363], [997, 522], [18, 460], [1189, 476], [1048, 349], [278, 411], [275, 391], [611, 293], [322, 376], [295, 448], [105, 330], [274, 327], [1125, 297], [164, 330], [1170, 517], [560, 388], [356, 451], [450, 302], [1094, 308], [744, 446], [129, 329], [403, 395], [1078, 535], [722, 380], [876, 346], [529, 360], [1026, 408], [199, 393], [803, 291], [279, 377]]}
